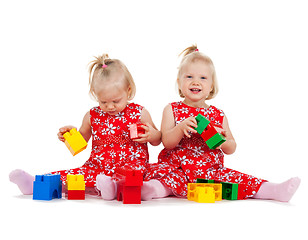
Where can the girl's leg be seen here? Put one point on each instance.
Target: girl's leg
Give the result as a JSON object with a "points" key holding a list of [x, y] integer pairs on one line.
{"points": [[248, 185], [107, 186], [23, 180], [154, 189], [278, 191]]}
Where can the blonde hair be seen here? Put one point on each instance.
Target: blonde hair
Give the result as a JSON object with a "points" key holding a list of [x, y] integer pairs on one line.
{"points": [[191, 55], [102, 67]]}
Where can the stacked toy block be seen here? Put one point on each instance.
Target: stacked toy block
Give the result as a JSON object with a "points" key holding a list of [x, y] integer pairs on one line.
{"points": [[46, 187], [129, 182], [75, 185], [230, 191], [201, 180], [75, 141], [135, 129], [212, 138], [204, 192]]}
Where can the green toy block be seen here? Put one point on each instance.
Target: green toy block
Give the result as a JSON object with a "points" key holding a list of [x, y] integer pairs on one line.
{"points": [[229, 191], [215, 141], [201, 180], [202, 123]]}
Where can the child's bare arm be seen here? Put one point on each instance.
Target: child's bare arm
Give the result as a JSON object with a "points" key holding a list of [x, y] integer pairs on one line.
{"points": [[229, 146], [171, 133], [85, 129]]}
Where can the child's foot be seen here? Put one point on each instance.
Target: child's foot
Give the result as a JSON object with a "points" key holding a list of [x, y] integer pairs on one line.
{"points": [[154, 189], [23, 180], [280, 192], [107, 187]]}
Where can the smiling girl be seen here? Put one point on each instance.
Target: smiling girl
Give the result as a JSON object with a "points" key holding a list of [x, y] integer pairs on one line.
{"points": [[186, 157]]}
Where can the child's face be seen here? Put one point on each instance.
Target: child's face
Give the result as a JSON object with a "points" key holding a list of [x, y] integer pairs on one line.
{"points": [[112, 97], [196, 81]]}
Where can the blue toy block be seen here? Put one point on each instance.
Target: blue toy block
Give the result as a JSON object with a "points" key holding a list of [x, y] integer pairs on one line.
{"points": [[46, 187]]}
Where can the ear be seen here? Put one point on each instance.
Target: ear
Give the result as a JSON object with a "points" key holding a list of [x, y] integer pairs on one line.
{"points": [[179, 89], [178, 83], [129, 91]]}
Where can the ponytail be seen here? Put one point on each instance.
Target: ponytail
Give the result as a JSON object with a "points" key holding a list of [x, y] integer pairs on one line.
{"points": [[189, 50]]}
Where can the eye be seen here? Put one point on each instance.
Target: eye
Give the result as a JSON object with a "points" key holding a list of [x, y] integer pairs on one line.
{"points": [[203, 78], [103, 102], [188, 76], [117, 100]]}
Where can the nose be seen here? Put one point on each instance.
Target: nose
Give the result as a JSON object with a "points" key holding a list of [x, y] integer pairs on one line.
{"points": [[195, 83], [110, 106]]}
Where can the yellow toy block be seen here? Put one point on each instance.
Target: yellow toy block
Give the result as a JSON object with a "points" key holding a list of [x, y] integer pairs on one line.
{"points": [[74, 141], [75, 182], [204, 192]]}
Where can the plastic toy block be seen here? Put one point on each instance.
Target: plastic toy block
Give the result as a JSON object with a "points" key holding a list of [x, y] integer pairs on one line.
{"points": [[46, 187], [129, 177], [201, 180], [135, 129], [193, 193], [129, 194], [229, 191], [75, 195], [75, 141], [209, 132], [75, 182], [202, 123], [241, 193], [202, 195], [129, 184], [215, 141], [206, 194]]}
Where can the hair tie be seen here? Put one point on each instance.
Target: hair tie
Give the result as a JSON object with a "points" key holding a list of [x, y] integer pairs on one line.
{"points": [[196, 50], [104, 66]]}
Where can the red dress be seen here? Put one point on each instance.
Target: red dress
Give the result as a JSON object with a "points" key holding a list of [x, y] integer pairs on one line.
{"points": [[111, 145], [192, 159]]}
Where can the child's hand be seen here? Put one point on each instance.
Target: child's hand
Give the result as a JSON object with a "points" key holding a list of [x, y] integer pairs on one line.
{"points": [[63, 130], [221, 131], [188, 125], [149, 133]]}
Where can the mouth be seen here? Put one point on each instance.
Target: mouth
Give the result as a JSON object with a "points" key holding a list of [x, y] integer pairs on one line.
{"points": [[111, 112], [195, 90]]}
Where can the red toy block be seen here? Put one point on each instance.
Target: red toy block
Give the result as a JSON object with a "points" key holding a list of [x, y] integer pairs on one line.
{"points": [[75, 195], [129, 182], [241, 192], [209, 132], [129, 194], [136, 129], [131, 177]]}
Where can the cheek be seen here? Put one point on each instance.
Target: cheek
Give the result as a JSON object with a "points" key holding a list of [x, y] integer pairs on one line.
{"points": [[121, 106], [183, 85], [102, 107]]}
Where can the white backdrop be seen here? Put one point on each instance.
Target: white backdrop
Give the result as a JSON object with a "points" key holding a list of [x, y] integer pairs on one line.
{"points": [[259, 49]]}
